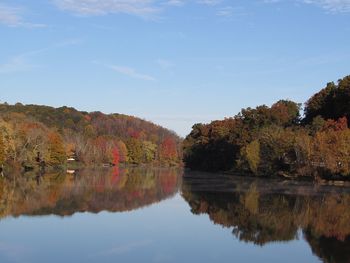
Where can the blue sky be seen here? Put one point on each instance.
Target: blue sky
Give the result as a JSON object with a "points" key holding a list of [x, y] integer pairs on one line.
{"points": [[173, 62]]}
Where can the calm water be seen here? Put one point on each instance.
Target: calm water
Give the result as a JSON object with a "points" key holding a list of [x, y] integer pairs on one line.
{"points": [[163, 215]]}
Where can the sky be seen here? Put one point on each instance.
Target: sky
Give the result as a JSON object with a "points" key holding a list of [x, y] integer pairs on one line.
{"points": [[173, 62]]}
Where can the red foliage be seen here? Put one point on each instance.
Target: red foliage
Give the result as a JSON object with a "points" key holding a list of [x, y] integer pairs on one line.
{"points": [[134, 134], [116, 156], [168, 148], [339, 125]]}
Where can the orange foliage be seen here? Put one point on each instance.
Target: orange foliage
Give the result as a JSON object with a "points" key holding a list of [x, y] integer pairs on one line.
{"points": [[339, 125], [168, 149]]}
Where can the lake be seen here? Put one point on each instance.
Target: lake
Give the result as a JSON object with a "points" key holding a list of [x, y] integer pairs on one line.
{"points": [[167, 215]]}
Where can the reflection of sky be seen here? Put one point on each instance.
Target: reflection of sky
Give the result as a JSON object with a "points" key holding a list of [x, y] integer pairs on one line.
{"points": [[164, 232]]}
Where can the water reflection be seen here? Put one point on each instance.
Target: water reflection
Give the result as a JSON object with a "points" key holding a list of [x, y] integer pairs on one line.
{"points": [[262, 212], [263, 217], [63, 194]]}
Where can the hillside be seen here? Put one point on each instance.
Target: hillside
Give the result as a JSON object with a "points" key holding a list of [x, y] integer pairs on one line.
{"points": [[33, 134]]}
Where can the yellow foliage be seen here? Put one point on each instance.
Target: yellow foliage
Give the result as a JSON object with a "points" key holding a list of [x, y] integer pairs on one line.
{"points": [[252, 155]]}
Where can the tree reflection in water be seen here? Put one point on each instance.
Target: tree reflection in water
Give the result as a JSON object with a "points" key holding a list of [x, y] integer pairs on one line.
{"points": [[261, 211], [114, 190]]}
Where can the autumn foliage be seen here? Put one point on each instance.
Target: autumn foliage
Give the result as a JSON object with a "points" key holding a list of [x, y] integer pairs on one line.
{"points": [[32, 135], [56, 149], [116, 156], [168, 150], [276, 140]]}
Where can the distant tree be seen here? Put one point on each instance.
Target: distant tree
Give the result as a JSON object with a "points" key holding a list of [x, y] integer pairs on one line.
{"points": [[9, 140], [332, 102], [317, 124], [56, 149], [135, 153], [251, 154], [149, 151], [285, 113], [116, 156], [69, 123], [320, 104], [168, 150], [123, 152], [331, 151], [256, 118], [89, 131], [2, 150]]}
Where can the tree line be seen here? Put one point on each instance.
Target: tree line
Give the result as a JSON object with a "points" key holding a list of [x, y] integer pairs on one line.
{"points": [[41, 136], [277, 140]]}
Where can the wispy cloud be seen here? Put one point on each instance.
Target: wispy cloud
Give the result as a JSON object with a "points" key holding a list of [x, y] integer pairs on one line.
{"points": [[334, 6], [232, 11], [132, 73], [127, 71], [9, 16], [142, 8], [209, 2], [21, 62], [13, 17], [226, 11], [271, 1], [175, 2]]}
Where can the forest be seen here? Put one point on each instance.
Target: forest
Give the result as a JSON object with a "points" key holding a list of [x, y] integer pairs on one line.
{"points": [[279, 140], [33, 136]]}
